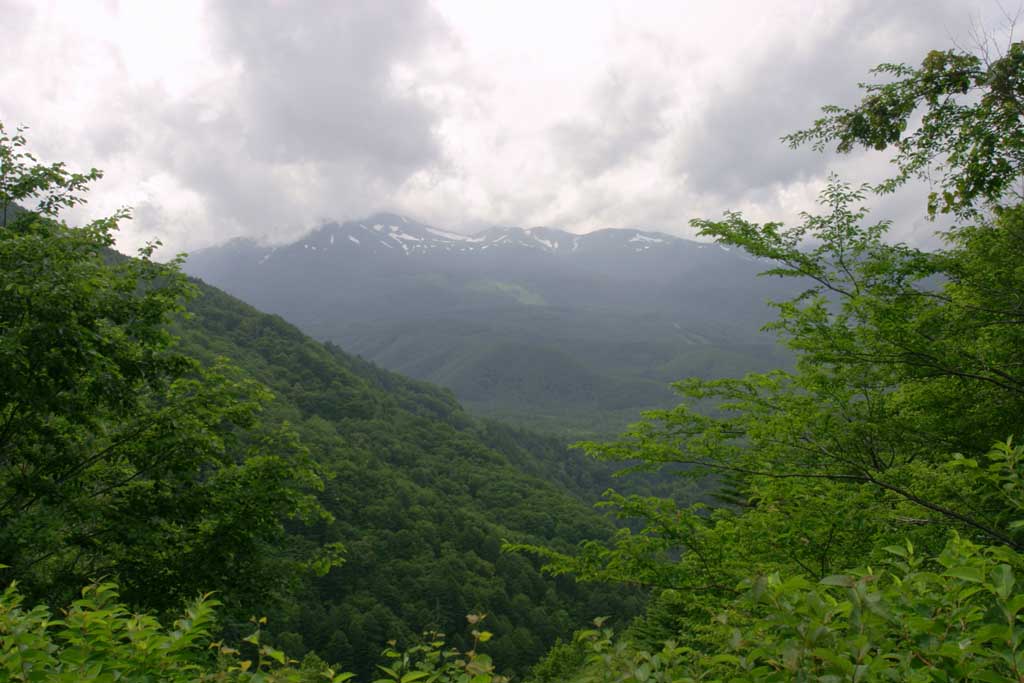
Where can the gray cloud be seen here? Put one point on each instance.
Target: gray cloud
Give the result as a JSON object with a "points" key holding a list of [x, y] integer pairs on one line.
{"points": [[629, 117], [316, 85], [281, 114], [310, 124], [722, 150], [736, 148]]}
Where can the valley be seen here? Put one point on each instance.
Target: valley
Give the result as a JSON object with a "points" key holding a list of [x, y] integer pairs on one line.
{"points": [[570, 334]]}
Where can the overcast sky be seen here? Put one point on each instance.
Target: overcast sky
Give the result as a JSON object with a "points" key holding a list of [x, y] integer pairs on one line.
{"points": [[265, 118]]}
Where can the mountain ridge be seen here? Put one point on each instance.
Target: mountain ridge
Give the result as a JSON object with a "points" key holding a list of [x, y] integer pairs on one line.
{"points": [[410, 236], [629, 307]]}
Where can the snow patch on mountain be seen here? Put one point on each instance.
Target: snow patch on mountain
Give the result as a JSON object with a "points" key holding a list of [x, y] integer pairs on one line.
{"points": [[547, 243], [454, 235], [403, 236], [640, 237]]}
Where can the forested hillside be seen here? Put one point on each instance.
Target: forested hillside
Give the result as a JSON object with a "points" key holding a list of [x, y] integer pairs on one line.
{"points": [[231, 453], [570, 334], [422, 497]]}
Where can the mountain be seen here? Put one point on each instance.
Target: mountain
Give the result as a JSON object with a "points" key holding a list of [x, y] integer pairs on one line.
{"points": [[540, 326]]}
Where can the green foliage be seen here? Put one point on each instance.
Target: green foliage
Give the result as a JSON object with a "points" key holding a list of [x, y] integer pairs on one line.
{"points": [[24, 180], [124, 452], [562, 662], [969, 136], [876, 444], [594, 656], [572, 373], [905, 359], [430, 661], [119, 454], [954, 617], [99, 639], [421, 495], [129, 452]]}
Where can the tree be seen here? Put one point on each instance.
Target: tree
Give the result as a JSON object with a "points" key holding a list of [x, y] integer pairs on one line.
{"points": [[951, 617], [910, 364], [24, 179], [118, 453], [904, 360], [970, 132], [98, 639]]}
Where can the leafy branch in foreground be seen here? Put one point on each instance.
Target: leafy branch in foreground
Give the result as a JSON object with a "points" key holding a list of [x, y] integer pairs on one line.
{"points": [[953, 617], [99, 639], [878, 442], [27, 184], [119, 454], [905, 360], [969, 134], [432, 662]]}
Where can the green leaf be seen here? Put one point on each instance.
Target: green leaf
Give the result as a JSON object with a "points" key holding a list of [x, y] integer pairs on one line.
{"points": [[1015, 604], [1003, 581], [389, 671], [967, 573], [276, 655], [844, 580]]}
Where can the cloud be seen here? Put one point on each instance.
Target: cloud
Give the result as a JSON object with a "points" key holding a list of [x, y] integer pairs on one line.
{"points": [[681, 113], [735, 149], [216, 119], [315, 85], [628, 118], [291, 112], [310, 122]]}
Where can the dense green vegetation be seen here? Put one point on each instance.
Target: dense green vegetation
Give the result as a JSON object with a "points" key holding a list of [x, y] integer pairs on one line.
{"points": [[869, 523], [421, 497], [578, 373], [146, 456], [99, 639], [120, 454], [876, 451]]}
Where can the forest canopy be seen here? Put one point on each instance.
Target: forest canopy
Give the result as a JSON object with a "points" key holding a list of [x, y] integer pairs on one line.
{"points": [[349, 505], [888, 446]]}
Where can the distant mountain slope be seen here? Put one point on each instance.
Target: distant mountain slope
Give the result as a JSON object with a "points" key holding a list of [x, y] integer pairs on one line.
{"points": [[625, 311], [422, 495]]}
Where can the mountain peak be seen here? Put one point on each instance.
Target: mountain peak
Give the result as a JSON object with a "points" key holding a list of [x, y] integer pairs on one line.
{"points": [[389, 235]]}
